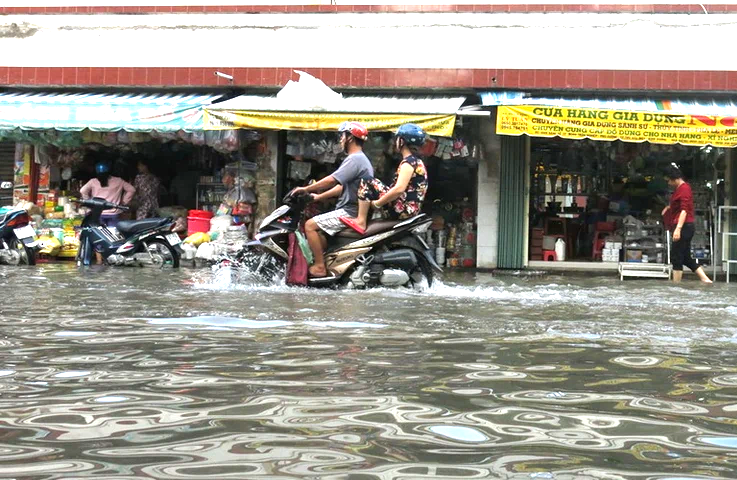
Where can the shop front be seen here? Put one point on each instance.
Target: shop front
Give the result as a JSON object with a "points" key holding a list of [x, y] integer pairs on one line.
{"points": [[593, 179], [59, 138], [308, 151]]}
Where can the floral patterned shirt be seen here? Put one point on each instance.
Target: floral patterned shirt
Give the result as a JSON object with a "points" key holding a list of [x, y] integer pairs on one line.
{"points": [[410, 203]]}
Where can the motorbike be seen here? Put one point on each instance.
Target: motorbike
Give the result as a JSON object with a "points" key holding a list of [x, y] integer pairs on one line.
{"points": [[136, 242], [17, 238], [389, 254]]}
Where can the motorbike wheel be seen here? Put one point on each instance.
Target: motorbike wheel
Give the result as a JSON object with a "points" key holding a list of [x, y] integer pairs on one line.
{"points": [[423, 271], [265, 267], [164, 254], [27, 254]]}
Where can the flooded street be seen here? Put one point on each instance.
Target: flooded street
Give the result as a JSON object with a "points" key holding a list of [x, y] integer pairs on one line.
{"points": [[135, 373]]}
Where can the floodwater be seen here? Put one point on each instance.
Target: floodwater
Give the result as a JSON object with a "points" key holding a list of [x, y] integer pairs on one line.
{"points": [[138, 373]]}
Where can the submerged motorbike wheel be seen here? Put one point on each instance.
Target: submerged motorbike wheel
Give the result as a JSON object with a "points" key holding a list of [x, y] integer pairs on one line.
{"points": [[25, 255], [264, 266], [423, 273], [163, 255]]}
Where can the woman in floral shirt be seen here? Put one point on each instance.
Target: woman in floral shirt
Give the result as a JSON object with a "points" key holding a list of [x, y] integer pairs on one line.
{"points": [[147, 191], [404, 198]]}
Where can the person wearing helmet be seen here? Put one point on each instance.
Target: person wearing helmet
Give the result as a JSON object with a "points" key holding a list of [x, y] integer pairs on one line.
{"points": [[110, 188], [405, 196], [343, 183]]}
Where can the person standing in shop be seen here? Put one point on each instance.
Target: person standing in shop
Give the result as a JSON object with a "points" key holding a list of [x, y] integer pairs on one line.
{"points": [[109, 188], [679, 218], [147, 191]]}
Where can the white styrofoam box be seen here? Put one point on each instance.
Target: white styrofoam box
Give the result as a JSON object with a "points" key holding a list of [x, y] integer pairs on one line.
{"points": [[617, 245], [608, 245]]}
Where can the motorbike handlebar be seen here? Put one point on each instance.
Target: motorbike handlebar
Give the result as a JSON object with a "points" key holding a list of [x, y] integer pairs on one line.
{"points": [[101, 203], [290, 198]]}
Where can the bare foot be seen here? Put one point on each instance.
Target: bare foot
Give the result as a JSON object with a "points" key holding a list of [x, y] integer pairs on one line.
{"points": [[317, 271]]}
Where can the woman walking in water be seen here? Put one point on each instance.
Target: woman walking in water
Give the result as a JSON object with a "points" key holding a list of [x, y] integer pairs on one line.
{"points": [[679, 218]]}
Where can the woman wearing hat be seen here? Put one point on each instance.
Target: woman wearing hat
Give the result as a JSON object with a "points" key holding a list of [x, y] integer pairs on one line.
{"points": [[403, 199]]}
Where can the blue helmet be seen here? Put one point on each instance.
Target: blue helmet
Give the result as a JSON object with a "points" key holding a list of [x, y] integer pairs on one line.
{"points": [[412, 134], [102, 167]]}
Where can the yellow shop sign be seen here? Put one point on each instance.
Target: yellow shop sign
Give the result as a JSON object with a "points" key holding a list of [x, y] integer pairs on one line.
{"points": [[628, 126]]}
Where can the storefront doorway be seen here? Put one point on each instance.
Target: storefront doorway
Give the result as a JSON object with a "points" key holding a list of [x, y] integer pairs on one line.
{"points": [[596, 201]]}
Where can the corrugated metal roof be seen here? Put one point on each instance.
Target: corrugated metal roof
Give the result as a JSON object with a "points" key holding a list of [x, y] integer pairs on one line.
{"points": [[348, 104], [135, 112], [720, 107]]}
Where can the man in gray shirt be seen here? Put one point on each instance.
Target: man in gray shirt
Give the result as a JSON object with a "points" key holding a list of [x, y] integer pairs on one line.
{"points": [[343, 183]]}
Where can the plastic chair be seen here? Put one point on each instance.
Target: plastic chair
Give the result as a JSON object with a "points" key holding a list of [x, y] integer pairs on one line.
{"points": [[603, 230], [550, 256]]}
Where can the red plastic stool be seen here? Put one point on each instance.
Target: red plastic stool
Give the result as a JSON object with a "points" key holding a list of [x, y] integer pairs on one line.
{"points": [[603, 230], [550, 256]]}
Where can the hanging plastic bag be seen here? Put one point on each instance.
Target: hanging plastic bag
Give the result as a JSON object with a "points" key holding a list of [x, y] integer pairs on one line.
{"points": [[306, 251]]}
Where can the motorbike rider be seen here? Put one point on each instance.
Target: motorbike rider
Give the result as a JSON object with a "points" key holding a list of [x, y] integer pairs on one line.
{"points": [[110, 188], [343, 183], [405, 196]]}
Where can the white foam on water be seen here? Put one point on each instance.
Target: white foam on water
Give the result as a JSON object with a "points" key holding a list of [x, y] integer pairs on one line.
{"points": [[217, 321]]}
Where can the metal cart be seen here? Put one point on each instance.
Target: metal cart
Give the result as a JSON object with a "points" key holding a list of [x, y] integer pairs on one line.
{"points": [[647, 270]]}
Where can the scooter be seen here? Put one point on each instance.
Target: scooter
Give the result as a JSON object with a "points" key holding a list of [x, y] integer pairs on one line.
{"points": [[136, 242], [389, 254], [17, 238]]}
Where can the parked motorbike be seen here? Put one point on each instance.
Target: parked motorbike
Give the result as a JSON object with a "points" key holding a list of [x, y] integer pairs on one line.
{"points": [[389, 254], [17, 238], [136, 242]]}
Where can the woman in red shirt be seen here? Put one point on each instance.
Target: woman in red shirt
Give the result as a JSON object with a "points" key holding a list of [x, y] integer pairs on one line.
{"points": [[679, 218]]}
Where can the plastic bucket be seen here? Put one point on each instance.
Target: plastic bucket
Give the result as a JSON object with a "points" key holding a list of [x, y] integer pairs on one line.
{"points": [[200, 214], [197, 224]]}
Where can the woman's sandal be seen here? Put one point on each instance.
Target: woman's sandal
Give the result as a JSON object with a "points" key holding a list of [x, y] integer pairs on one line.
{"points": [[352, 223]]}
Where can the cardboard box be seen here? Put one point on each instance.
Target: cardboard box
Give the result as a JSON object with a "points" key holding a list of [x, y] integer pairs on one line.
{"points": [[634, 256]]}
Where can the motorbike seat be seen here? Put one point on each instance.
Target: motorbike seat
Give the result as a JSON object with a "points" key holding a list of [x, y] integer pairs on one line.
{"points": [[373, 228], [129, 227], [4, 217]]}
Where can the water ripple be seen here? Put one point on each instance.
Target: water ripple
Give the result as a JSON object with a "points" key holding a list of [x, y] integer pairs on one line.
{"points": [[177, 378]]}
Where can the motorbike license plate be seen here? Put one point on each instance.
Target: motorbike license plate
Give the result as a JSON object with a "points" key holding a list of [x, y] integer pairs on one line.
{"points": [[173, 239], [24, 232]]}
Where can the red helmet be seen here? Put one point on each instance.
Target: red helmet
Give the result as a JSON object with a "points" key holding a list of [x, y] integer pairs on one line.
{"points": [[354, 128]]}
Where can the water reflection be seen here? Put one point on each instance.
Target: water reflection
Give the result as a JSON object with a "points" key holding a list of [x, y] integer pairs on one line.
{"points": [[164, 375]]}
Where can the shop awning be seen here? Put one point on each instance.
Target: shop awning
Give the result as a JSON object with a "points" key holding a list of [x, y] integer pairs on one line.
{"points": [[102, 112], [436, 115], [684, 121]]}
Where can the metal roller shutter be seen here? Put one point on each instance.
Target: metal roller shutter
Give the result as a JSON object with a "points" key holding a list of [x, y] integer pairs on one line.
{"points": [[512, 203], [7, 167]]}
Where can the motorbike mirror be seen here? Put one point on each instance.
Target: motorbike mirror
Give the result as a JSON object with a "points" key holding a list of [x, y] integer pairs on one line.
{"points": [[6, 185]]}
